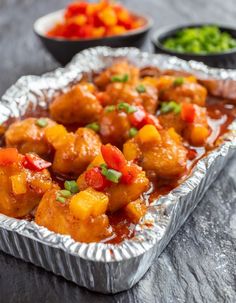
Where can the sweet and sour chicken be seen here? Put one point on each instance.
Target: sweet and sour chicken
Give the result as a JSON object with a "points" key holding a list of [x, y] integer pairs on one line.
{"points": [[79, 105], [107, 148], [29, 136], [73, 151], [24, 180]]}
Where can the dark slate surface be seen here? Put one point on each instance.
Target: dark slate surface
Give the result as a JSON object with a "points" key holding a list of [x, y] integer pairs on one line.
{"points": [[199, 263]]}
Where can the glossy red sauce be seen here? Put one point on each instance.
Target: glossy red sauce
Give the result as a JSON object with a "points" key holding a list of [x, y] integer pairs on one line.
{"points": [[221, 114]]}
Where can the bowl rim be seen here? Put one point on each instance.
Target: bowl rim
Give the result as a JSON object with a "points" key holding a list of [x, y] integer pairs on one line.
{"points": [[163, 31], [146, 27]]}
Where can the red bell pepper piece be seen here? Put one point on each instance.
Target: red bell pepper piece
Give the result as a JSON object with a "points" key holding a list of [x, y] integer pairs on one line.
{"points": [[75, 9], [113, 157], [188, 112], [85, 31], [137, 118], [151, 119], [141, 118], [129, 174], [8, 156], [192, 154], [34, 162], [95, 179], [103, 98]]}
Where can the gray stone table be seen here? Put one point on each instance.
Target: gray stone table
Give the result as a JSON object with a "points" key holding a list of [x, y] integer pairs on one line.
{"points": [[199, 263]]}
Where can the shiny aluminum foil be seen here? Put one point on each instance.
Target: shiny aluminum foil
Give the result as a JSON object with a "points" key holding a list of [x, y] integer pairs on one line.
{"points": [[101, 267]]}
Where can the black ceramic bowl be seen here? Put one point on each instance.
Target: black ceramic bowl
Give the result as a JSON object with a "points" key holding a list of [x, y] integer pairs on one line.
{"points": [[63, 50], [223, 60]]}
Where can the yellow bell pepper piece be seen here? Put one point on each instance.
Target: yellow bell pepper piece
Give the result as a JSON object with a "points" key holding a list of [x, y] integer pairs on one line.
{"points": [[108, 16], [19, 184], [80, 20]]}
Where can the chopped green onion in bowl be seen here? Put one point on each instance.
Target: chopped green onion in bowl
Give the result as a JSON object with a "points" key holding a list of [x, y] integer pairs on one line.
{"points": [[200, 40]]}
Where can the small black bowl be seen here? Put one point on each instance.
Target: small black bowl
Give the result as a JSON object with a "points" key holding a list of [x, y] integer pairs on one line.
{"points": [[63, 49], [221, 60]]}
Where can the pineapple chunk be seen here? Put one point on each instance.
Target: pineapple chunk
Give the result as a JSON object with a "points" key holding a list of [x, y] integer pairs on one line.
{"points": [[88, 203], [19, 183], [135, 210], [198, 135], [174, 135], [97, 161], [131, 150], [55, 135], [148, 133], [191, 79]]}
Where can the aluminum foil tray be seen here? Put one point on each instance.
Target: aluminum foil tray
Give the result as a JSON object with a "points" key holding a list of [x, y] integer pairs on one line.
{"points": [[103, 267]]}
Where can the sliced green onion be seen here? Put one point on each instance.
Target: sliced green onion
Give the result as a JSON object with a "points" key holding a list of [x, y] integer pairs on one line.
{"points": [[94, 126], [64, 193], [123, 105], [41, 122], [104, 169], [178, 81], [167, 107], [71, 186], [120, 78], [113, 175], [110, 108], [60, 199], [129, 109], [110, 174], [132, 132], [141, 88]]}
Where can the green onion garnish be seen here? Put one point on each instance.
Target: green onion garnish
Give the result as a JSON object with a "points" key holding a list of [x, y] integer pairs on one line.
{"points": [[120, 78], [64, 193], [110, 174], [41, 122], [129, 109], [141, 88], [110, 108], [104, 169], [94, 126], [60, 199], [132, 132], [167, 107], [113, 175], [200, 40], [178, 81], [71, 186]]}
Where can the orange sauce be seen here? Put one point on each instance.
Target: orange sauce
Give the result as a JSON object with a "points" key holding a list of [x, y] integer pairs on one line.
{"points": [[221, 114]]}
